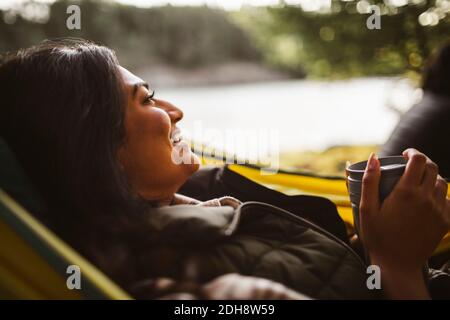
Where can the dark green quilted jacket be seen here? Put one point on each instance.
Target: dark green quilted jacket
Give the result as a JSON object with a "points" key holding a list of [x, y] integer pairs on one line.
{"points": [[256, 239]]}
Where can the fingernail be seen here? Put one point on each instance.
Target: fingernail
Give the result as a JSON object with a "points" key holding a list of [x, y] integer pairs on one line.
{"points": [[372, 162]]}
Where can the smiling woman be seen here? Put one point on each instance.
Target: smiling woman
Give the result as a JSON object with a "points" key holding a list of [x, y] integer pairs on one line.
{"points": [[98, 145], [151, 136]]}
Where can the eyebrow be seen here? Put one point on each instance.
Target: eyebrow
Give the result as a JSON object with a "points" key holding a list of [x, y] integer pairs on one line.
{"points": [[137, 86]]}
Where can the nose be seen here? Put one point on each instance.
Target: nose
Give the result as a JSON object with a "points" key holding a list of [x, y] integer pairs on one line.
{"points": [[174, 113]]}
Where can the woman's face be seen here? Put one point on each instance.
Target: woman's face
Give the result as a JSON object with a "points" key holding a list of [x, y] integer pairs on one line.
{"points": [[152, 154]]}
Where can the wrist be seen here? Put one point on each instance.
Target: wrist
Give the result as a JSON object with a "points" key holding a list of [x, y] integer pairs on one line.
{"points": [[402, 282]]}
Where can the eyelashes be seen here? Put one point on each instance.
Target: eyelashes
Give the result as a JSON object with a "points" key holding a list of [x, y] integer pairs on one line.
{"points": [[149, 97]]}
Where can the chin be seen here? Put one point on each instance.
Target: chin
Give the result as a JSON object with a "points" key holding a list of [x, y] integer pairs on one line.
{"points": [[182, 155], [186, 170], [195, 163]]}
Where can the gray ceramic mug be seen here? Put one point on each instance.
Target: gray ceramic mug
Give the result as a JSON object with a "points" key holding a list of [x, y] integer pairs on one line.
{"points": [[392, 169]]}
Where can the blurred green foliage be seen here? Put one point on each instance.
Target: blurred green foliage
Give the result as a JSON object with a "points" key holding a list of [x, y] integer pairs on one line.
{"points": [[336, 43], [326, 43], [180, 36]]}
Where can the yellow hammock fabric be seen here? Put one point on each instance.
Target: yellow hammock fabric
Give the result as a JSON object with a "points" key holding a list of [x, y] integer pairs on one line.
{"points": [[332, 188], [33, 261]]}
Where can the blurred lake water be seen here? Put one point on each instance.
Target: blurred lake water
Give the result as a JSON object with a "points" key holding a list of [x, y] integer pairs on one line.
{"points": [[303, 114]]}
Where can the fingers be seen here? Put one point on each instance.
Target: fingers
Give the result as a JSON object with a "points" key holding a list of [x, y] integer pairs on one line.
{"points": [[440, 191], [370, 194], [415, 168], [219, 288], [441, 200], [420, 171], [430, 176]]}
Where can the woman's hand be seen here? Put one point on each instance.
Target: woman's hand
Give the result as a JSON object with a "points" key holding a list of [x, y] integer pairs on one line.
{"points": [[402, 232], [230, 286], [237, 287]]}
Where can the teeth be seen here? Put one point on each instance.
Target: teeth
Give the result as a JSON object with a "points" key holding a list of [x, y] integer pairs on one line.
{"points": [[176, 136], [175, 139]]}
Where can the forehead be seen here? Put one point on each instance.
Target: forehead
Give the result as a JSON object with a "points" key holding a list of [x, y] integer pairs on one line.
{"points": [[128, 78]]}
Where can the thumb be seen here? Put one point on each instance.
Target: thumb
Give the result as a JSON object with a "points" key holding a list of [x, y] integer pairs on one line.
{"points": [[370, 202]]}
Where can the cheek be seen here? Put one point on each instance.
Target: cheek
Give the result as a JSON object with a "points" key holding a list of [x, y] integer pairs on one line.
{"points": [[149, 126], [147, 139], [147, 147]]}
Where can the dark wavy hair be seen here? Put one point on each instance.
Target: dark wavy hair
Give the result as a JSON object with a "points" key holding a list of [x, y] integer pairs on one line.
{"points": [[437, 72], [62, 113]]}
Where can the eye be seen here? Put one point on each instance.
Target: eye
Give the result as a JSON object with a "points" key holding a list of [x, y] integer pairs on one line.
{"points": [[149, 98]]}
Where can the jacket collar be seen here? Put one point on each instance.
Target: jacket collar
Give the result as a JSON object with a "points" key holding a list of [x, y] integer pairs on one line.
{"points": [[188, 224]]}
